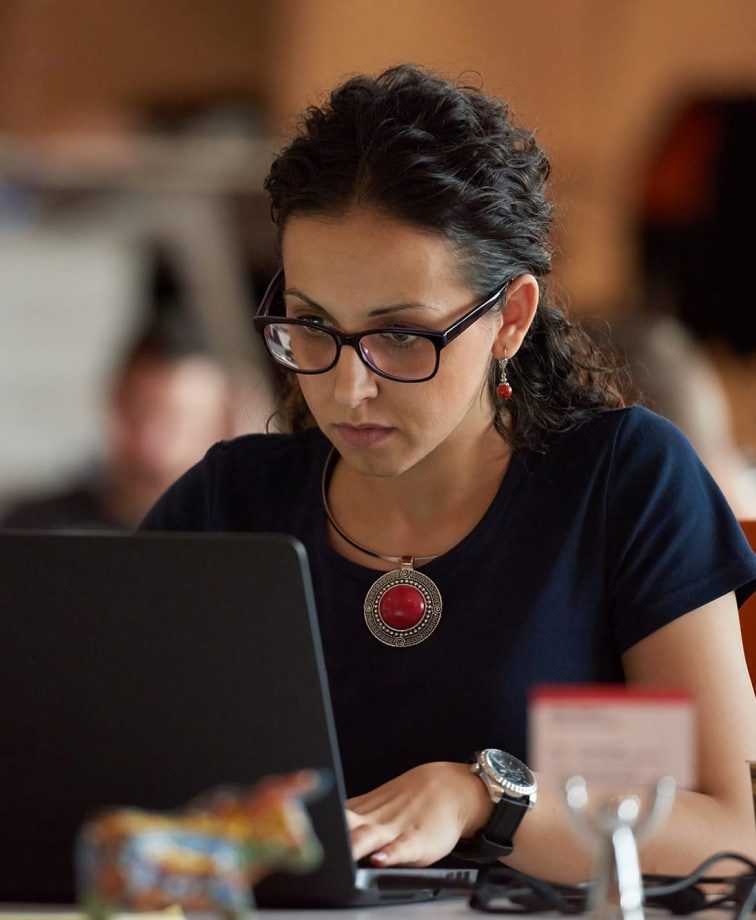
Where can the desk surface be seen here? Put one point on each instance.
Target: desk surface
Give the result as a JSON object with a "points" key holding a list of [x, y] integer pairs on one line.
{"points": [[451, 907], [445, 910]]}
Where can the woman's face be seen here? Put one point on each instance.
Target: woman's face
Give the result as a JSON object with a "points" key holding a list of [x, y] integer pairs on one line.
{"points": [[363, 270]]}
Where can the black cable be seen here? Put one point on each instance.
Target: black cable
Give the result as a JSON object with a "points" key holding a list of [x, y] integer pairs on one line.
{"points": [[678, 894], [748, 903]]}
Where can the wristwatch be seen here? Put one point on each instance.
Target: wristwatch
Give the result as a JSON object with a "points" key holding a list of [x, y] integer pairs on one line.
{"points": [[512, 788]]}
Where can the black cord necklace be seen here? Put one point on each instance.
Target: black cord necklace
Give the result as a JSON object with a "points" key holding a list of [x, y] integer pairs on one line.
{"points": [[402, 607]]}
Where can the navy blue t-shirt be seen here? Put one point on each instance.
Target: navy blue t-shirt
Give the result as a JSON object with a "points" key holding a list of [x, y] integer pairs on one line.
{"points": [[583, 552]]}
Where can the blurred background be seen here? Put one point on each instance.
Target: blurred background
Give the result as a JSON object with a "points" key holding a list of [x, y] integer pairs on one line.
{"points": [[135, 237]]}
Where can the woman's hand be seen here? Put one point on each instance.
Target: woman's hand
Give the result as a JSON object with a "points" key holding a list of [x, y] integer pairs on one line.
{"points": [[418, 817]]}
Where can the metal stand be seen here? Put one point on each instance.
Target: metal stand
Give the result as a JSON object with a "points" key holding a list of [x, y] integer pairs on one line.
{"points": [[615, 826]]}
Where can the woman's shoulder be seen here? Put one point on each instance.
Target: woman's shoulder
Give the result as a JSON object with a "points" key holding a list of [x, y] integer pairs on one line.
{"points": [[620, 452], [631, 419], [633, 435], [264, 464], [240, 477], [269, 450], [615, 452], [634, 430]]}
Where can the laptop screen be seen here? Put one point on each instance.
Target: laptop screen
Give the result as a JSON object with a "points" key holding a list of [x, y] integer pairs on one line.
{"points": [[144, 670]]}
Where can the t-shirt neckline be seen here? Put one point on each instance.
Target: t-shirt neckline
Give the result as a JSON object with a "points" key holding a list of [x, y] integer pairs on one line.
{"points": [[455, 555]]}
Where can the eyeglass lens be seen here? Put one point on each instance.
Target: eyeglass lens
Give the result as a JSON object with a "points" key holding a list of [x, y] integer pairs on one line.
{"points": [[307, 348]]}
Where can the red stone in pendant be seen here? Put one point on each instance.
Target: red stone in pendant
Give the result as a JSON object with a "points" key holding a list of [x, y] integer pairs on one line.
{"points": [[504, 391], [402, 607]]}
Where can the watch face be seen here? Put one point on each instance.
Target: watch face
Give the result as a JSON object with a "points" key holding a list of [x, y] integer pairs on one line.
{"points": [[512, 771]]}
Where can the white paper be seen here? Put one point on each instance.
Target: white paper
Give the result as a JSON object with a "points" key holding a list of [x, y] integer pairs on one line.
{"points": [[616, 738]]}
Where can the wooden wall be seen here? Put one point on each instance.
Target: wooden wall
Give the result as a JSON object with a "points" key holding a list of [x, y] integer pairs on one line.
{"points": [[71, 63], [596, 78]]}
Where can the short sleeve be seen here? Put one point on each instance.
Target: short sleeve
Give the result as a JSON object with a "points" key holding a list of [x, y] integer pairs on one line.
{"points": [[673, 542]]}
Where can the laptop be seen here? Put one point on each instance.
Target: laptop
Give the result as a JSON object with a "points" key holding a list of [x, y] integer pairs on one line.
{"points": [[144, 670]]}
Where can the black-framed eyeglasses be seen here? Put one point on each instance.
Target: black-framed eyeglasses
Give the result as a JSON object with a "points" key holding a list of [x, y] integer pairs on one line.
{"points": [[403, 353]]}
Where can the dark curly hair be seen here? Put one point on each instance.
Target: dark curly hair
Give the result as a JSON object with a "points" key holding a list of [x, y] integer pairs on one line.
{"points": [[447, 158]]}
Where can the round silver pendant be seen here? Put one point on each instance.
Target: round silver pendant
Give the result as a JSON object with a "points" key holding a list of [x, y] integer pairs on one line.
{"points": [[402, 607]]}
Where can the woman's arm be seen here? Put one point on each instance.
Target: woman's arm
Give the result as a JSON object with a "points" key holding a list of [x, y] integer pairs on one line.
{"points": [[406, 820], [702, 652]]}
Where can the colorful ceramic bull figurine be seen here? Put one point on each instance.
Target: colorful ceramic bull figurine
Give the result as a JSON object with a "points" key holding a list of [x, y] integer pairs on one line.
{"points": [[205, 857]]}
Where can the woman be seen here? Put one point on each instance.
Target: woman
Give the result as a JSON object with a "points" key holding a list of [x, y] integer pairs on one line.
{"points": [[452, 428]]}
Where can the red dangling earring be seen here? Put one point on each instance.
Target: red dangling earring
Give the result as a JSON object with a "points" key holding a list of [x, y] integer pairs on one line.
{"points": [[503, 389]]}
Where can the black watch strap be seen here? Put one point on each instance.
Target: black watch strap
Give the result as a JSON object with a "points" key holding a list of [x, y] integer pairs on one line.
{"points": [[494, 841]]}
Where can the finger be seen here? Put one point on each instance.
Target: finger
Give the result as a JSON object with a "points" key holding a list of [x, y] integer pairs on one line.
{"points": [[368, 838], [353, 820], [387, 817], [404, 850], [363, 804]]}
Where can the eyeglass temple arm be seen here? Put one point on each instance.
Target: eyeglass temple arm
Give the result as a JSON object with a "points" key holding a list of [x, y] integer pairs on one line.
{"points": [[267, 298], [466, 321]]}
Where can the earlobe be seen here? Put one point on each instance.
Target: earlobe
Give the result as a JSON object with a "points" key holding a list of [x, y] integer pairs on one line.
{"points": [[517, 315]]}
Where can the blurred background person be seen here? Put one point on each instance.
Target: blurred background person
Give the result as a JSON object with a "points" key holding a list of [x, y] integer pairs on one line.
{"points": [[171, 399], [672, 373], [696, 309]]}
